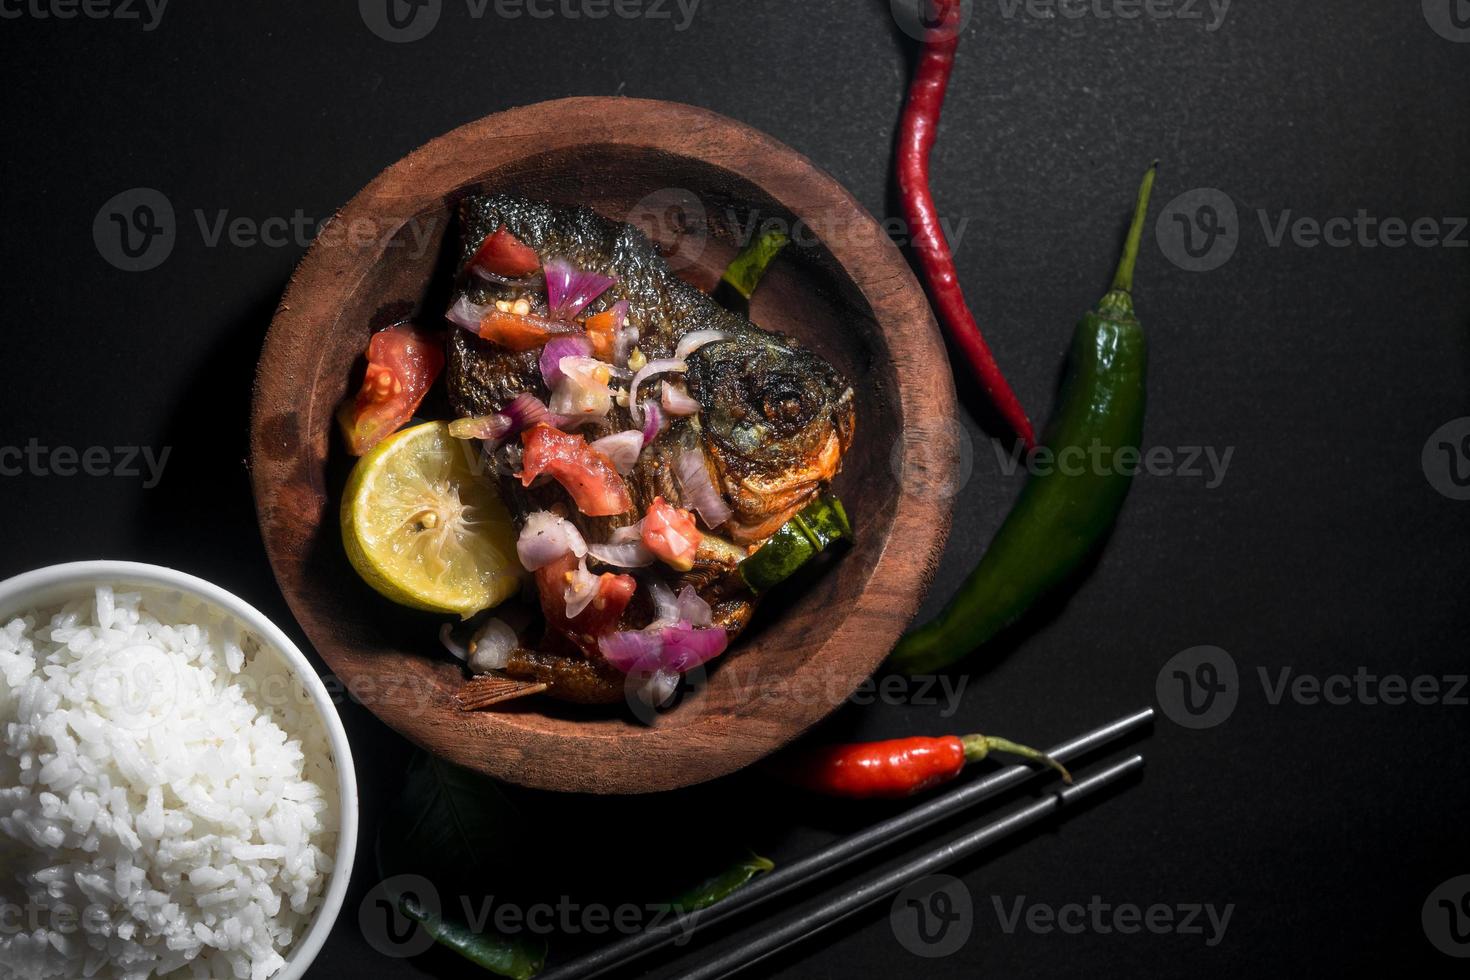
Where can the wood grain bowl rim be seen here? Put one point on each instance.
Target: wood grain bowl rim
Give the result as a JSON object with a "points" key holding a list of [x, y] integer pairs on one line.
{"points": [[630, 759]]}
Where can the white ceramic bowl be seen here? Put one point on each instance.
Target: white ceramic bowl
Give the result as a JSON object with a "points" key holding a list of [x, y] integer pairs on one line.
{"points": [[58, 583]]}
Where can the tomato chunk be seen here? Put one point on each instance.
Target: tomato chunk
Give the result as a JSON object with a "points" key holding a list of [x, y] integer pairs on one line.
{"points": [[521, 331], [503, 254], [670, 534], [602, 331], [402, 366], [585, 473], [602, 614]]}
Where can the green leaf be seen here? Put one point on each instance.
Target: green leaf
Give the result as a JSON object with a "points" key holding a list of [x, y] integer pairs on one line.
{"points": [[449, 825]]}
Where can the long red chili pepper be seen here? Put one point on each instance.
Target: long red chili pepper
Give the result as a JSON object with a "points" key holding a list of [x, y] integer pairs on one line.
{"points": [[899, 767], [917, 131]]}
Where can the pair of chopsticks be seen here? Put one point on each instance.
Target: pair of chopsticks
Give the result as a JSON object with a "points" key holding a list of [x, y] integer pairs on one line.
{"points": [[849, 849]]}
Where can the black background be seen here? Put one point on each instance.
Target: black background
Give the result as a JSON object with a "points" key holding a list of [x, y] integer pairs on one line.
{"points": [[1324, 549]]}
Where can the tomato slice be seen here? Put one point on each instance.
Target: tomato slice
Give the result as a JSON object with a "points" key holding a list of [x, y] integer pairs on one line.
{"points": [[402, 365], [503, 254], [587, 474], [670, 534], [521, 332], [602, 330], [602, 614]]}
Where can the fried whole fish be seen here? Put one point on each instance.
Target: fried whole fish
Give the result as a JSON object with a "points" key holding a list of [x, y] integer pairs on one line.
{"points": [[774, 420]]}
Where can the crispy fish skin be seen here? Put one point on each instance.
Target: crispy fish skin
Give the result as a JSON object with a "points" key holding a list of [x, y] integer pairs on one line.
{"points": [[774, 420]]}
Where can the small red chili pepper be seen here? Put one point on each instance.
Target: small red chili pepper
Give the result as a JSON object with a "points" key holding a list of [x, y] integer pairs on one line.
{"points": [[917, 131], [899, 767]]}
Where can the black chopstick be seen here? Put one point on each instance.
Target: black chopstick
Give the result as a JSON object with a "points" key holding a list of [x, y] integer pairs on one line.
{"points": [[841, 853], [872, 889]]}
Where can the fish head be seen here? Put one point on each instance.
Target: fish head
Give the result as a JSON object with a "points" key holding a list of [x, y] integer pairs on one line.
{"points": [[776, 420]]}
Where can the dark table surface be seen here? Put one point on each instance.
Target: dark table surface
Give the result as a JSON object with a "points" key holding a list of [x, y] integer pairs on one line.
{"points": [[1333, 542]]}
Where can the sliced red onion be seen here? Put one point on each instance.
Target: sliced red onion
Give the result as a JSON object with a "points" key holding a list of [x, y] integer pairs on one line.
{"points": [[626, 533], [632, 554], [624, 548], [467, 315], [693, 341], [446, 637], [678, 648], [699, 489], [665, 604], [621, 449], [659, 688], [523, 411], [663, 366], [581, 590], [583, 392], [626, 336], [491, 647], [653, 423], [555, 350], [686, 647], [694, 610], [677, 402], [545, 538], [569, 289], [632, 650]]}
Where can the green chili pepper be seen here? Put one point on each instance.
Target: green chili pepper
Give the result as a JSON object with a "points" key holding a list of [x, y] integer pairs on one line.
{"points": [[819, 525], [1065, 511], [746, 270], [518, 958], [721, 885]]}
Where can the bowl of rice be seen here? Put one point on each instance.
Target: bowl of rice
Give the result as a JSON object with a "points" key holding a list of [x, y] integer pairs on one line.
{"points": [[177, 795]]}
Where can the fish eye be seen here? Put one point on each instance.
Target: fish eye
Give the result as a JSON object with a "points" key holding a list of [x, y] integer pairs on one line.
{"points": [[785, 403]]}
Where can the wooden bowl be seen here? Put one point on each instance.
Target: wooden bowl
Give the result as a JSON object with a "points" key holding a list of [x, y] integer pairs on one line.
{"points": [[695, 181]]}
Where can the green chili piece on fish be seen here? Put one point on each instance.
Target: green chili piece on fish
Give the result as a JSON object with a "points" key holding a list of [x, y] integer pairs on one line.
{"points": [[817, 527], [746, 271]]}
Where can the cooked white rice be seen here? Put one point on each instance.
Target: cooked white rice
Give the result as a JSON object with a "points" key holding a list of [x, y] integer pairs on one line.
{"points": [[167, 797]]}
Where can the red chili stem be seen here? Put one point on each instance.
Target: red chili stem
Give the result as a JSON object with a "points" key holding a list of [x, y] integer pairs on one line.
{"points": [[917, 131]]}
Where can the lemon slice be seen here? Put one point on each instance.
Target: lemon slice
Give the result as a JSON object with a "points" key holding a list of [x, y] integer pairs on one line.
{"points": [[425, 529]]}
